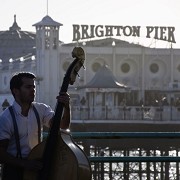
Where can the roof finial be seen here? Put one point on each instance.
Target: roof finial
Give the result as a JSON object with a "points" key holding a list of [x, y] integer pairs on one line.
{"points": [[15, 26], [15, 18], [47, 7]]}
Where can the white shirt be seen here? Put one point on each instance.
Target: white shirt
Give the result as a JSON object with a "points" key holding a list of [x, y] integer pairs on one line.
{"points": [[27, 127]]}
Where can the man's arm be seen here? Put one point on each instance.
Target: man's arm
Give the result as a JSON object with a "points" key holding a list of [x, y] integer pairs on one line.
{"points": [[5, 157]]}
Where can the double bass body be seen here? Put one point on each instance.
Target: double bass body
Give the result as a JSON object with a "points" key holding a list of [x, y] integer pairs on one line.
{"points": [[69, 161]]}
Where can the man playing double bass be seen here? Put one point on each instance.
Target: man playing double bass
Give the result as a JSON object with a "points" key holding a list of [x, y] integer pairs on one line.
{"points": [[21, 123]]}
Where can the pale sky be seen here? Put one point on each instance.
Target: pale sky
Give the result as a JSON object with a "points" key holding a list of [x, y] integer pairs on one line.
{"points": [[95, 12]]}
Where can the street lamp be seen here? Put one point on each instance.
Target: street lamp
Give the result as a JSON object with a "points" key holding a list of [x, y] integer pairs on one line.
{"points": [[124, 110], [142, 111]]}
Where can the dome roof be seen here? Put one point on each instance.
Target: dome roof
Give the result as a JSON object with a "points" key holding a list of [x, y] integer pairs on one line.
{"points": [[15, 43]]}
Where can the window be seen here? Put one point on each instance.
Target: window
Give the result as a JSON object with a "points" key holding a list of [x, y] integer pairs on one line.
{"points": [[154, 68], [125, 68]]}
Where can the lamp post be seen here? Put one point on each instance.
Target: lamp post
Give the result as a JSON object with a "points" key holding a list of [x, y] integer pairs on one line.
{"points": [[106, 110], [142, 111], [124, 110], [172, 101], [114, 55], [161, 109], [0, 63]]}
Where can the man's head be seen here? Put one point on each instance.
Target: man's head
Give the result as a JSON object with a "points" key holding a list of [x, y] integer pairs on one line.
{"points": [[21, 84]]}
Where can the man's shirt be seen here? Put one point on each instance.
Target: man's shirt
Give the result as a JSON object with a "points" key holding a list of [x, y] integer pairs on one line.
{"points": [[27, 126]]}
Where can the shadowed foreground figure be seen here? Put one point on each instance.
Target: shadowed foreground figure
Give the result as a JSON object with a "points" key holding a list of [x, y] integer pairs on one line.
{"points": [[21, 124]]}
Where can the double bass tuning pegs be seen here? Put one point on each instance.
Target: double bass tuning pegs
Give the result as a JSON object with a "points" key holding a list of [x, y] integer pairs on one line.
{"points": [[77, 74], [84, 67]]}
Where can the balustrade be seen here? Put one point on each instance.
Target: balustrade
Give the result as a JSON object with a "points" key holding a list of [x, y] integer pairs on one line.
{"points": [[166, 113]]}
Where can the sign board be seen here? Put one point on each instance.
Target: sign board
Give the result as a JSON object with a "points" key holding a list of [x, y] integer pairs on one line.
{"points": [[163, 33]]}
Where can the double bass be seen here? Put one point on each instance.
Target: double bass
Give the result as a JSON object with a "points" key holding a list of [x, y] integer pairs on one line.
{"points": [[62, 158]]}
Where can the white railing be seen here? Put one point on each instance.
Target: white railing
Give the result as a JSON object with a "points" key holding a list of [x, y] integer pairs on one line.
{"points": [[165, 113]]}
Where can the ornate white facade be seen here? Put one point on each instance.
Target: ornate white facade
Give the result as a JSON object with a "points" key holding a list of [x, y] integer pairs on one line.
{"points": [[149, 73]]}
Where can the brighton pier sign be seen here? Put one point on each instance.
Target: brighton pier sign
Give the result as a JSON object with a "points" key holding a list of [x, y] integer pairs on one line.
{"points": [[81, 32]]}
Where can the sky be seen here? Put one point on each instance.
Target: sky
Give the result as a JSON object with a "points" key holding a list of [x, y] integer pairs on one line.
{"points": [[96, 12]]}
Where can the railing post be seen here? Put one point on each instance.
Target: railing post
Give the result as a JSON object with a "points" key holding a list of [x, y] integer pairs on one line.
{"points": [[102, 165], [148, 166], [166, 166]]}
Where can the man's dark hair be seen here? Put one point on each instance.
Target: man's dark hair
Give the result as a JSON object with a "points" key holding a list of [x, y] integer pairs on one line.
{"points": [[16, 80]]}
